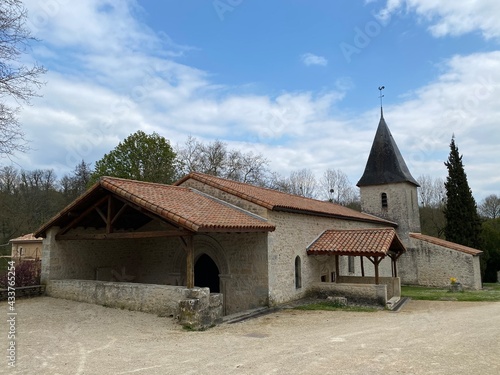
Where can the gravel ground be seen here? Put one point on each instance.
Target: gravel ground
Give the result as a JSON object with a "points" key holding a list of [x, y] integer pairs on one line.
{"points": [[57, 336]]}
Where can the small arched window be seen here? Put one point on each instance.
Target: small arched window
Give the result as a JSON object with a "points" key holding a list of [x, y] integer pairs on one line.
{"points": [[298, 273], [383, 198]]}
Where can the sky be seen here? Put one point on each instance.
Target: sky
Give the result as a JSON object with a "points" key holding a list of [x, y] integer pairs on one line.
{"points": [[296, 81]]}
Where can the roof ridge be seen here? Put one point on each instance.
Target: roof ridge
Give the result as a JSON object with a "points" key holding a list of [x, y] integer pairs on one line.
{"points": [[276, 200], [258, 217], [442, 242], [261, 187], [139, 182]]}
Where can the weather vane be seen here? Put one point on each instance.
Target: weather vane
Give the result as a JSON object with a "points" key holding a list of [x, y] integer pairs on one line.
{"points": [[380, 88]]}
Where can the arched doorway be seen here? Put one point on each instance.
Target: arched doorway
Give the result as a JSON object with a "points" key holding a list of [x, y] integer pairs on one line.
{"points": [[206, 274]]}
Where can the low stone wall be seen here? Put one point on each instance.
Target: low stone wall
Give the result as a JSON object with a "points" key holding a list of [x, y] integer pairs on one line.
{"points": [[201, 310], [365, 293], [158, 299], [393, 283]]}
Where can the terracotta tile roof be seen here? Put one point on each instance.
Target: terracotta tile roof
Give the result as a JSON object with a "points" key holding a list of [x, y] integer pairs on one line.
{"points": [[357, 242], [447, 244], [278, 201], [26, 238], [185, 207]]}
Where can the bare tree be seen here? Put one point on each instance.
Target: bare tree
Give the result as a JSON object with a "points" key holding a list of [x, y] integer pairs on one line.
{"points": [[302, 182], [336, 187], [217, 159], [17, 81], [9, 180], [431, 192], [490, 207]]}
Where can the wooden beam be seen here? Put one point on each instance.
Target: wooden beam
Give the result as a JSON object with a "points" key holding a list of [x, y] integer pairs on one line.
{"points": [[119, 213], [337, 268], [122, 235], [109, 228], [362, 267], [376, 270], [82, 215], [189, 247], [101, 214]]}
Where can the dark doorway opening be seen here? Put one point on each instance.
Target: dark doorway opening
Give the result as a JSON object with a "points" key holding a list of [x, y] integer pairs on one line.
{"points": [[206, 274]]}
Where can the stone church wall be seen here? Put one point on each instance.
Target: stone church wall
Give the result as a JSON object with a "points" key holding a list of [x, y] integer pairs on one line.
{"points": [[294, 232], [432, 265], [402, 206]]}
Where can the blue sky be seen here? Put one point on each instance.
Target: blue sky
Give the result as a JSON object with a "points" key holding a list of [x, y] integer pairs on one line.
{"points": [[294, 80]]}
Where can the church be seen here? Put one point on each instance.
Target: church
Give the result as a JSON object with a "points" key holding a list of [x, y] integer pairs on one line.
{"points": [[147, 247]]}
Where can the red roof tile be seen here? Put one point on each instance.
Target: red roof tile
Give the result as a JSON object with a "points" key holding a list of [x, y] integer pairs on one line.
{"points": [[357, 242], [185, 207], [447, 244], [278, 201]]}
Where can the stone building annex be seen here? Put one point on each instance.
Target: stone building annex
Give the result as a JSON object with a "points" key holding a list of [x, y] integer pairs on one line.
{"points": [[144, 246]]}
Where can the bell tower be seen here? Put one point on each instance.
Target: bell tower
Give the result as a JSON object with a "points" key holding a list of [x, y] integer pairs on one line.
{"points": [[387, 188]]}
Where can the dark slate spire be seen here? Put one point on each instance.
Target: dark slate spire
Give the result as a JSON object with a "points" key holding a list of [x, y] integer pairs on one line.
{"points": [[385, 164]]}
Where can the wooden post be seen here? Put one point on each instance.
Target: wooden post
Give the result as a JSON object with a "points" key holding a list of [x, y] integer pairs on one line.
{"points": [[362, 267], [109, 217], [337, 268], [375, 263], [188, 246]]}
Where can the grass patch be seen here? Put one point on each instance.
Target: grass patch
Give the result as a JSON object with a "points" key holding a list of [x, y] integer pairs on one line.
{"points": [[331, 306], [489, 293]]}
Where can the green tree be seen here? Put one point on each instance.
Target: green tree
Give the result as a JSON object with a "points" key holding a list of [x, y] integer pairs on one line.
{"points": [[77, 182], [463, 225], [491, 246], [140, 157]]}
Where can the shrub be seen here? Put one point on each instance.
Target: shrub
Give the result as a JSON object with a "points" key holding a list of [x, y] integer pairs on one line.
{"points": [[27, 273]]}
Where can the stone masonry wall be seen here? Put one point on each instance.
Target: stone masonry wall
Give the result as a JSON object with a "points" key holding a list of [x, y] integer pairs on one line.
{"points": [[241, 259], [402, 206], [158, 299], [294, 232], [433, 265], [364, 293]]}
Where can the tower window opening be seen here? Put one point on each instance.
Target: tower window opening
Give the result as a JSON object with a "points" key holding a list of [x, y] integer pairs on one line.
{"points": [[384, 200]]}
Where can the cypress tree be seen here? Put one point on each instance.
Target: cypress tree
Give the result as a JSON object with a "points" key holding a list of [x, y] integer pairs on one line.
{"points": [[463, 225]]}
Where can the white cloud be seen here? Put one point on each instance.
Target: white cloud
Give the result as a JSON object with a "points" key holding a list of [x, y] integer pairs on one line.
{"points": [[87, 110], [310, 59], [451, 17]]}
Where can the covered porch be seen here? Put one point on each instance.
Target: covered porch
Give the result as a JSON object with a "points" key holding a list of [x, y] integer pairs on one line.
{"points": [[370, 245], [148, 247]]}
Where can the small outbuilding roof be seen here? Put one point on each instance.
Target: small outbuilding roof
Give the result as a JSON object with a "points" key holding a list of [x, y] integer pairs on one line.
{"points": [[447, 244], [357, 242], [183, 207], [26, 238], [279, 201], [385, 163]]}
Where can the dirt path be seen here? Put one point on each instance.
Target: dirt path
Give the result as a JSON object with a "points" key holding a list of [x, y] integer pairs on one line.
{"points": [[63, 337]]}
